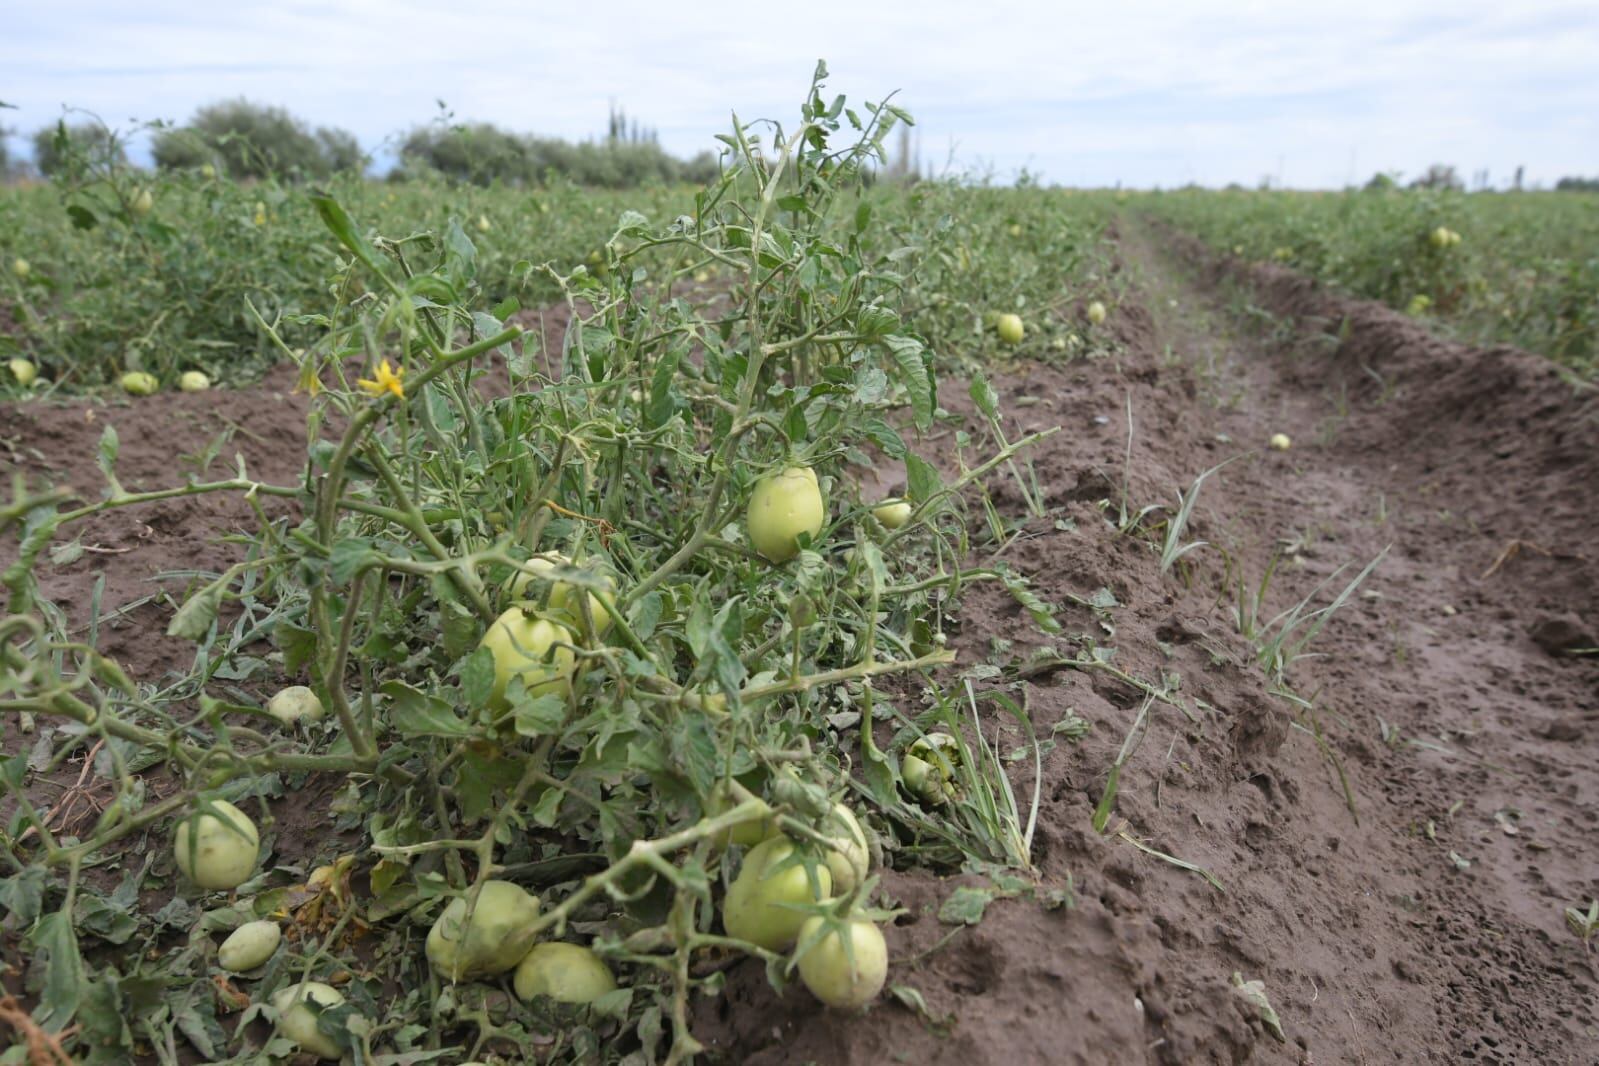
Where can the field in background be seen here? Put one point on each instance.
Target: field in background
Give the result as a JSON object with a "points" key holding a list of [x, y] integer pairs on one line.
{"points": [[100, 280], [176, 270], [1524, 271]]}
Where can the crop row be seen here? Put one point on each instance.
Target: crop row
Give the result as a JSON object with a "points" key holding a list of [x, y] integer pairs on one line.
{"points": [[617, 675], [1519, 268]]}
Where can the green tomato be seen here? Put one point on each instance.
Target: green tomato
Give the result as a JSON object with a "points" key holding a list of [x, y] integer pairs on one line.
{"points": [[138, 383], [893, 513], [248, 946], [850, 860], [781, 508], [24, 371], [561, 592], [1279, 442], [21, 267], [928, 769], [1096, 312], [745, 834], [143, 203], [828, 970], [1439, 237], [1010, 329], [534, 649], [296, 704], [496, 938], [215, 854], [567, 973], [194, 381], [755, 910], [297, 1021]]}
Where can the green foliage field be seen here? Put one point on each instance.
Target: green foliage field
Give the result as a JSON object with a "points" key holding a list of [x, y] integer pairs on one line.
{"points": [[187, 283], [661, 687], [1525, 271]]}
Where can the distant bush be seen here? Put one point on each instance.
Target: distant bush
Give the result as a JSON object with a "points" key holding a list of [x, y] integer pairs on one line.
{"points": [[1439, 176], [1577, 185], [477, 154], [254, 141], [484, 154], [56, 147]]}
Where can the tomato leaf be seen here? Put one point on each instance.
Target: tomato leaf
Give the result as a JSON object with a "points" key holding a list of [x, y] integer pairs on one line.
{"points": [[965, 906], [194, 619], [915, 375], [538, 716], [661, 401], [64, 975], [339, 223], [477, 677], [921, 479], [349, 557], [106, 458], [984, 396], [416, 714], [297, 644]]}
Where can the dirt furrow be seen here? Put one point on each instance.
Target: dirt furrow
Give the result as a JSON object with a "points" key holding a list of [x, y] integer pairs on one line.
{"points": [[1466, 733]]}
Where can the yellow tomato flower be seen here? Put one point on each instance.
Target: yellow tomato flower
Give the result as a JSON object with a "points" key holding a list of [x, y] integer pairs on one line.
{"points": [[388, 380]]}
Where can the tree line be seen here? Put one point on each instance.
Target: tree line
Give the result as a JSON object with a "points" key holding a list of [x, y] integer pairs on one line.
{"points": [[247, 140]]}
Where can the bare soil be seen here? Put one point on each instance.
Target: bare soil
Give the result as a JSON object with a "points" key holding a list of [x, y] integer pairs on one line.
{"points": [[1415, 918]]}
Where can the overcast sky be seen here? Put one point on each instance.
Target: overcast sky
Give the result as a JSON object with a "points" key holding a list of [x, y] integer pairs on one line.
{"points": [[1142, 92]]}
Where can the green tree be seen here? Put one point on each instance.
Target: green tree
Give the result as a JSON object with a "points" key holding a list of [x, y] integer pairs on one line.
{"points": [[251, 140], [56, 147]]}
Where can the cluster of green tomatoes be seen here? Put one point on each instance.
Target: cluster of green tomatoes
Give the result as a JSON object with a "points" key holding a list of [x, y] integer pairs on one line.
{"points": [[778, 901]]}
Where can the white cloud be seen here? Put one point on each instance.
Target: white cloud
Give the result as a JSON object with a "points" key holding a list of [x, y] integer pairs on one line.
{"points": [[1143, 92]]}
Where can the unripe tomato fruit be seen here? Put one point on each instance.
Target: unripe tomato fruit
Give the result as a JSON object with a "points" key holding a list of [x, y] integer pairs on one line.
{"points": [[745, 834], [892, 513], [850, 860], [139, 383], [216, 854], [828, 972], [1010, 328], [754, 908], [781, 508], [1280, 443], [194, 381], [561, 592], [298, 1021], [494, 941], [534, 649], [143, 203], [296, 704], [21, 267], [1096, 312], [928, 769], [248, 946], [567, 973], [24, 371]]}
